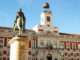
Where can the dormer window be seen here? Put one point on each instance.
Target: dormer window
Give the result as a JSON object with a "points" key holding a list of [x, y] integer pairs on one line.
{"points": [[48, 19]]}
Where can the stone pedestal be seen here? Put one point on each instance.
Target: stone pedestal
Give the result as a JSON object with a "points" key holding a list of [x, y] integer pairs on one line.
{"points": [[19, 48]]}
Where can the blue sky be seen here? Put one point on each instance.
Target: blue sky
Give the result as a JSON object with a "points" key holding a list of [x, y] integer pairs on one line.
{"points": [[66, 13]]}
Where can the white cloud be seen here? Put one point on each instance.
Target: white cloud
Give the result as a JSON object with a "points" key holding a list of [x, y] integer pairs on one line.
{"points": [[5, 15], [24, 2]]}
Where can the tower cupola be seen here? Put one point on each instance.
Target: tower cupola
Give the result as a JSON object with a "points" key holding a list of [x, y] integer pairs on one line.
{"points": [[46, 6]]}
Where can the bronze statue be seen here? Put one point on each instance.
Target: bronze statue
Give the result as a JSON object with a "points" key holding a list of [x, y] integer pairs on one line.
{"points": [[19, 23]]}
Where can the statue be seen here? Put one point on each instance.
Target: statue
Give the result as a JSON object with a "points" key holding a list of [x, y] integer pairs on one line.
{"points": [[19, 23]]}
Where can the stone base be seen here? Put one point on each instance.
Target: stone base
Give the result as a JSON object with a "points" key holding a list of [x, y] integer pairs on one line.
{"points": [[19, 48]]}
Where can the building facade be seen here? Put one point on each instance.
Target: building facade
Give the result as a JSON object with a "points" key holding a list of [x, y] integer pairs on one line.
{"points": [[46, 42]]}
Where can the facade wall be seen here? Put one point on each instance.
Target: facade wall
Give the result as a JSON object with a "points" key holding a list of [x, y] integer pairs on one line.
{"points": [[6, 34], [62, 47], [59, 47]]}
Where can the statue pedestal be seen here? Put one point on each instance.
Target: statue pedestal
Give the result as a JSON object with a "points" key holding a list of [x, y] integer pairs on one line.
{"points": [[19, 48]]}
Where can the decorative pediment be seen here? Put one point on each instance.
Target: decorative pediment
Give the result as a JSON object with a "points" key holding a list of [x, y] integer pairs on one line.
{"points": [[47, 33]]}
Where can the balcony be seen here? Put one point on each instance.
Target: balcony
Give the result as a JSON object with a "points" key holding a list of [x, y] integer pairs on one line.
{"points": [[45, 48], [68, 49], [74, 49]]}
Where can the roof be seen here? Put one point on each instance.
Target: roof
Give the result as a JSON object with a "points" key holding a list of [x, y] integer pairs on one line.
{"points": [[69, 34], [8, 28]]}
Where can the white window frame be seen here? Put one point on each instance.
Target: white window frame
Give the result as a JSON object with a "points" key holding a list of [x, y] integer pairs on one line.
{"points": [[49, 44], [68, 54], [74, 45], [68, 46], [35, 43], [32, 44], [7, 42], [1, 53], [3, 42], [55, 44], [62, 45], [79, 46], [62, 54], [41, 46], [75, 54]]}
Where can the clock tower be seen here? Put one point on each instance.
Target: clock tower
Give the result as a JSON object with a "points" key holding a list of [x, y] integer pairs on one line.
{"points": [[46, 22], [46, 16]]}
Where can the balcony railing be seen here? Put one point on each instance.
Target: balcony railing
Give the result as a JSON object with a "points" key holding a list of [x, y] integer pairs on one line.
{"points": [[44, 48], [33, 54]]}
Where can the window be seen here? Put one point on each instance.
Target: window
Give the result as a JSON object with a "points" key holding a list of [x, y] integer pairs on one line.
{"points": [[69, 54], [32, 44], [68, 46], [32, 58], [62, 54], [63, 59], [62, 45], [8, 46], [48, 19], [79, 54], [41, 44], [7, 58], [1, 43], [79, 46], [29, 58], [74, 54], [49, 45], [56, 59], [55, 44], [0, 53], [8, 53], [74, 46]]}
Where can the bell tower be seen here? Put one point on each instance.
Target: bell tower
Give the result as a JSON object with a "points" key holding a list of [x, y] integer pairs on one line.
{"points": [[46, 16]]}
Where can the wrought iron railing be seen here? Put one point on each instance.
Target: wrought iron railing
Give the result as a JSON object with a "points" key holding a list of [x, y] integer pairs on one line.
{"points": [[44, 48]]}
